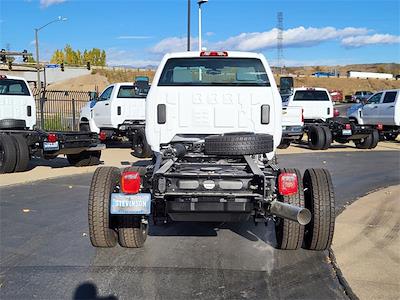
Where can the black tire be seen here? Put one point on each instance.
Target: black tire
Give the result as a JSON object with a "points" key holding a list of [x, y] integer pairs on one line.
{"points": [[85, 127], [104, 181], [365, 143], [12, 124], [238, 144], [316, 138], [375, 139], [84, 159], [289, 234], [22, 152], [284, 144], [140, 147], [391, 136], [8, 155], [320, 200], [132, 232], [328, 137]]}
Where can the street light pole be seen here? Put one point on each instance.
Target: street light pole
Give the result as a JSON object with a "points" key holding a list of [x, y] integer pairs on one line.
{"points": [[200, 2], [188, 26], [39, 85], [37, 59]]}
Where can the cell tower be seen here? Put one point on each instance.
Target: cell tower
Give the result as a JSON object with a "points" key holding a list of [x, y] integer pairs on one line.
{"points": [[279, 44]]}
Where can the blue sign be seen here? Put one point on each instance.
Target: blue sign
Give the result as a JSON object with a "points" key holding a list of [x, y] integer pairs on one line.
{"points": [[52, 66]]}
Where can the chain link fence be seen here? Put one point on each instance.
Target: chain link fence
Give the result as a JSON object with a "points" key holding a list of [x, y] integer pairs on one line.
{"points": [[59, 110]]}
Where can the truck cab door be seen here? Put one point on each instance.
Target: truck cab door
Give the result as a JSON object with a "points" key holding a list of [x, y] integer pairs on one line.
{"points": [[101, 112], [387, 108], [370, 111]]}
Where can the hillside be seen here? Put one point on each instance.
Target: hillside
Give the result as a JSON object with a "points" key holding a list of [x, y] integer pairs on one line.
{"points": [[100, 78]]}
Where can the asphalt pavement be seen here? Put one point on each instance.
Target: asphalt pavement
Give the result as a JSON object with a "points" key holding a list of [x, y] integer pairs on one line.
{"points": [[46, 253]]}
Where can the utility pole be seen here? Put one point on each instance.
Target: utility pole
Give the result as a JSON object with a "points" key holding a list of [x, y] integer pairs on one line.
{"points": [[188, 26], [200, 2], [279, 45]]}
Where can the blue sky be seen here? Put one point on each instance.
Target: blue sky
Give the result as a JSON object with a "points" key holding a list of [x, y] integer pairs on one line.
{"points": [[139, 32]]}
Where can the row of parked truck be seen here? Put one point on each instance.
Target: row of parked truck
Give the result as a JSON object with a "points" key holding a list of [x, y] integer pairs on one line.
{"points": [[119, 112]]}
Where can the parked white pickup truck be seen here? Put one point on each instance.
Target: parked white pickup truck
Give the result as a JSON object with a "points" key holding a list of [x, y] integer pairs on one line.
{"points": [[119, 112], [292, 125], [20, 140], [213, 120], [381, 110], [321, 124]]}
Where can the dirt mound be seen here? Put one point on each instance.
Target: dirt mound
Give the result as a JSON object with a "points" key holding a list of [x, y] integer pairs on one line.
{"points": [[91, 82]]}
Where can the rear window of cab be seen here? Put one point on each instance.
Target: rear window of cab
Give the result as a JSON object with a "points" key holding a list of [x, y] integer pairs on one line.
{"points": [[220, 71], [13, 87], [311, 96]]}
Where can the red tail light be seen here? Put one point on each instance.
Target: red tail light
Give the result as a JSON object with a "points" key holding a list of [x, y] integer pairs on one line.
{"points": [[52, 137], [102, 136], [379, 127], [336, 113], [347, 126], [302, 115], [288, 184], [130, 182], [213, 53]]}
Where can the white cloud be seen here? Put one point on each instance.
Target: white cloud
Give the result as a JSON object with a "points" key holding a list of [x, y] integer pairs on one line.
{"points": [[294, 37], [210, 33], [133, 37], [250, 41], [174, 44], [119, 57], [47, 3], [364, 40]]}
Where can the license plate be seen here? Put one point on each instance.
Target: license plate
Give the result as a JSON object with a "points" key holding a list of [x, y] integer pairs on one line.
{"points": [[138, 204], [346, 131], [49, 146]]}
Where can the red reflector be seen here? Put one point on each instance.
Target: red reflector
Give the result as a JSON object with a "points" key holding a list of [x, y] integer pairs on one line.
{"points": [[287, 184], [52, 137], [347, 126], [336, 113], [213, 53], [102, 136], [379, 127], [130, 182]]}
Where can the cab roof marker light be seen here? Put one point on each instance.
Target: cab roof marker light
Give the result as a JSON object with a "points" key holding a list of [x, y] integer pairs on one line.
{"points": [[213, 53]]}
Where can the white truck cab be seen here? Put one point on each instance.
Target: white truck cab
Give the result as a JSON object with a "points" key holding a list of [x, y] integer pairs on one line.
{"points": [[316, 103], [213, 119], [119, 112], [382, 109], [202, 95], [16, 100]]}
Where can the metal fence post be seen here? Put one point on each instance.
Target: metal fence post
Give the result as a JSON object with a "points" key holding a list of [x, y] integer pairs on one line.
{"points": [[42, 96], [73, 115]]}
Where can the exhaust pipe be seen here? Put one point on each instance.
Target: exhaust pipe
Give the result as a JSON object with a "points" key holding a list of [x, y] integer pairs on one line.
{"points": [[287, 211]]}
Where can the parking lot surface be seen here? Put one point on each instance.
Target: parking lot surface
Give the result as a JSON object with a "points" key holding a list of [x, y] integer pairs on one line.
{"points": [[46, 252]]}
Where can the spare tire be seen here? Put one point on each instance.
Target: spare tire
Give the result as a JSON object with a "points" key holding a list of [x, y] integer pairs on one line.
{"points": [[239, 144], [12, 124]]}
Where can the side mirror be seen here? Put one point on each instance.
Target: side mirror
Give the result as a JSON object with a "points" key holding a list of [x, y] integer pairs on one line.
{"points": [[93, 96]]}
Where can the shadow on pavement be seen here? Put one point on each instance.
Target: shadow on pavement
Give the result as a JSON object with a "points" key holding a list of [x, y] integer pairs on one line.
{"points": [[88, 290], [248, 230]]}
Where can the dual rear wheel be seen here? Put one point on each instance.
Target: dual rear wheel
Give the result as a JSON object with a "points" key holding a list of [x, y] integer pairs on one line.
{"points": [[106, 230], [315, 193], [14, 153]]}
